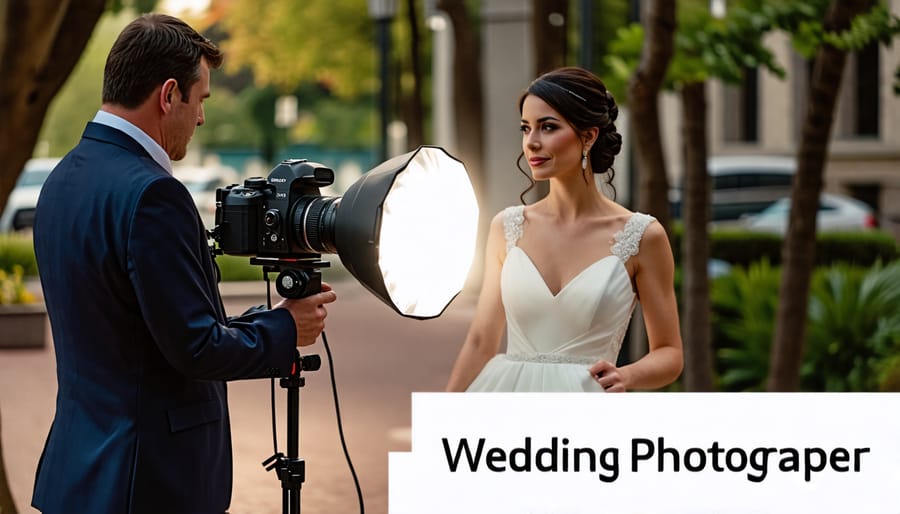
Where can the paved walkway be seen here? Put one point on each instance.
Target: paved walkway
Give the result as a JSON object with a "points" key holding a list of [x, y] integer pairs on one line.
{"points": [[380, 357]]}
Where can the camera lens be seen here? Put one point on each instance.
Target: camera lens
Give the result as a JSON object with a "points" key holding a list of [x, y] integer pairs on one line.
{"points": [[313, 223]]}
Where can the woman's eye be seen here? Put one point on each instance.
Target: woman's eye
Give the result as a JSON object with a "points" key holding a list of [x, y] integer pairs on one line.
{"points": [[548, 128], [525, 129]]}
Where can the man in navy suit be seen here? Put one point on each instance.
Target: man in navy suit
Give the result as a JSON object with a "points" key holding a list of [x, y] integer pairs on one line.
{"points": [[143, 346]]}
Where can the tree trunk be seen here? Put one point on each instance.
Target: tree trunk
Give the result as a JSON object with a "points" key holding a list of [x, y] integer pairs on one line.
{"points": [[643, 92], [696, 328], [798, 252], [411, 107], [467, 94], [40, 43], [7, 506], [549, 19]]}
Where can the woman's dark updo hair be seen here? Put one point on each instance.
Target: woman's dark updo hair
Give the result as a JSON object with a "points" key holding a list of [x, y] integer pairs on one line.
{"points": [[583, 100]]}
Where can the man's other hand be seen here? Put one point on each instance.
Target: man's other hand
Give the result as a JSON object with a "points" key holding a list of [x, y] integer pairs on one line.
{"points": [[309, 314]]}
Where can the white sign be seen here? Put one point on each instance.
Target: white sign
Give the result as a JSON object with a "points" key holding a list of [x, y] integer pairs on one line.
{"points": [[650, 453]]}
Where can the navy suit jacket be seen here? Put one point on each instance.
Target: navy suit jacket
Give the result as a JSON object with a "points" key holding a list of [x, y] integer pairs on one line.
{"points": [[143, 347]]}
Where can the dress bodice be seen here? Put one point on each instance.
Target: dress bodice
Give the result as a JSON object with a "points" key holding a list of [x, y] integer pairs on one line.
{"points": [[587, 319]]}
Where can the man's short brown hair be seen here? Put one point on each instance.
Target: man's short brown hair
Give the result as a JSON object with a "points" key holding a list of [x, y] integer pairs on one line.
{"points": [[150, 50]]}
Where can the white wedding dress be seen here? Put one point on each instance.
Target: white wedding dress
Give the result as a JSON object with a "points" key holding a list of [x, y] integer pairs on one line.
{"points": [[553, 340]]}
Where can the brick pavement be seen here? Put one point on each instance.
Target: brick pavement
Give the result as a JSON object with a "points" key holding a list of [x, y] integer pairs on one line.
{"points": [[379, 356]]}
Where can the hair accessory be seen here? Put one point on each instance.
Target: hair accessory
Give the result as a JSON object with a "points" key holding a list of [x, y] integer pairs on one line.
{"points": [[576, 95]]}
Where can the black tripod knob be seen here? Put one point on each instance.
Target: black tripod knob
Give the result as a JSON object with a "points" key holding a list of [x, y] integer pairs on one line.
{"points": [[298, 283]]}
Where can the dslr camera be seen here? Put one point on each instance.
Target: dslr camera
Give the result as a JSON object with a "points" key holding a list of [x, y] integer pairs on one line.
{"points": [[281, 221], [283, 216]]}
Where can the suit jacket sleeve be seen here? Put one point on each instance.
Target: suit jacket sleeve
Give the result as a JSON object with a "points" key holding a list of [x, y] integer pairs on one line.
{"points": [[170, 267]]}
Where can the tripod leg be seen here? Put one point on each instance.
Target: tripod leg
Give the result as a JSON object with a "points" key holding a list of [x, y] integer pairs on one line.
{"points": [[295, 466]]}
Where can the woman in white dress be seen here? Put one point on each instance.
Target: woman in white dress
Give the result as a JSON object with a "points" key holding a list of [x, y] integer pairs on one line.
{"points": [[563, 275]]}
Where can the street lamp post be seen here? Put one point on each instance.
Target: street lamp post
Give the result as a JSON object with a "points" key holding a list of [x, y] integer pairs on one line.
{"points": [[382, 11]]}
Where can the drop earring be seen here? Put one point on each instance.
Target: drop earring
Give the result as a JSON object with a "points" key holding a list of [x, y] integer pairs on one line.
{"points": [[584, 160]]}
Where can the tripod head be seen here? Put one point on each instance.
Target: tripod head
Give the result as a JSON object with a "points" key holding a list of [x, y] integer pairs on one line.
{"points": [[297, 278]]}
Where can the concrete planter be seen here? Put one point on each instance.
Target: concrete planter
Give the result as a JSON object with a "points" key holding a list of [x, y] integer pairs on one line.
{"points": [[23, 326]]}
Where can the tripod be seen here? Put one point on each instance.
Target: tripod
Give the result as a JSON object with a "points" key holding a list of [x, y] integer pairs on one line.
{"points": [[296, 279], [290, 468]]}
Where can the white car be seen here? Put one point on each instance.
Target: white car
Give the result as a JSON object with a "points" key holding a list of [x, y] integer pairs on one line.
{"points": [[202, 182], [19, 211], [742, 185], [836, 213]]}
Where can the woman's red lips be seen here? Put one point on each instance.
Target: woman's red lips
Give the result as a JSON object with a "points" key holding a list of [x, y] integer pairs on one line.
{"points": [[537, 161]]}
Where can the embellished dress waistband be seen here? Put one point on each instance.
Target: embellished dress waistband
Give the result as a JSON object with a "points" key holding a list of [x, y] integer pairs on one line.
{"points": [[550, 358]]}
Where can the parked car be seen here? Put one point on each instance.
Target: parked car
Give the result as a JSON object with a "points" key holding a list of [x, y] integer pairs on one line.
{"points": [[742, 185], [202, 182], [19, 211], [836, 213]]}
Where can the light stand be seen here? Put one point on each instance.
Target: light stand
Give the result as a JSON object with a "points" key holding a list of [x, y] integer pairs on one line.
{"points": [[296, 279]]}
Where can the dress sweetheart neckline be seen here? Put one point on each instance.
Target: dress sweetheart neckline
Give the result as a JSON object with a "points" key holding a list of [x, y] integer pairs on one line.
{"points": [[575, 278]]}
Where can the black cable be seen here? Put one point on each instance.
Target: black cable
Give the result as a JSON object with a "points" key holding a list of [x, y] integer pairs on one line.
{"points": [[274, 430], [268, 290], [340, 425], [271, 379]]}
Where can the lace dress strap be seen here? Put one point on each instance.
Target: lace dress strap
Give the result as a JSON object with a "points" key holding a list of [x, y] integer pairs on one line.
{"points": [[513, 219], [628, 240]]}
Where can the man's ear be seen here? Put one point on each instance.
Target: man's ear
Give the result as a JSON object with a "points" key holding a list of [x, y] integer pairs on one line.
{"points": [[168, 94]]}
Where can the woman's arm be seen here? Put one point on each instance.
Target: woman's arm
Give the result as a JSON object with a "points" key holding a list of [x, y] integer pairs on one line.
{"points": [[654, 280], [486, 330]]}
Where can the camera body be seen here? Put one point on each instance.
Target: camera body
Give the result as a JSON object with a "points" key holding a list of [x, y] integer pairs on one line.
{"points": [[282, 216]]}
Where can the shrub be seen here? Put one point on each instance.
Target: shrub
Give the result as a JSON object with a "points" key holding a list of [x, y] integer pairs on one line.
{"points": [[744, 307], [236, 268], [742, 248], [12, 288], [18, 250], [853, 333], [856, 248]]}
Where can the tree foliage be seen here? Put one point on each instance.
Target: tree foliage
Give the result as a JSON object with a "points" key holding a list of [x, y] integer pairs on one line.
{"points": [[804, 21], [709, 48], [285, 42], [705, 47]]}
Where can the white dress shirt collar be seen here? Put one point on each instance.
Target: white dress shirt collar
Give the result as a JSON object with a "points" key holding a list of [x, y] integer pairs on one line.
{"points": [[117, 122]]}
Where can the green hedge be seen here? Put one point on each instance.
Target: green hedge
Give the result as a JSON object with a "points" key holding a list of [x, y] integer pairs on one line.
{"points": [[742, 248], [233, 269], [17, 249]]}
